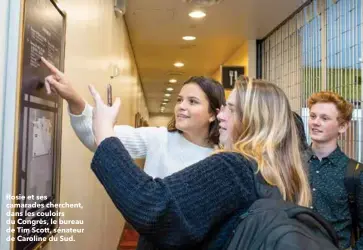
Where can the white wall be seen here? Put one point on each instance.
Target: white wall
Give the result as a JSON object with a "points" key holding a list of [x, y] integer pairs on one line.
{"points": [[3, 43], [9, 34], [252, 58], [3, 46]]}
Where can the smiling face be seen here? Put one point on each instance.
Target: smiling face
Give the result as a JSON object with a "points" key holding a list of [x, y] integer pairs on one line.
{"points": [[192, 113], [324, 124], [227, 119]]}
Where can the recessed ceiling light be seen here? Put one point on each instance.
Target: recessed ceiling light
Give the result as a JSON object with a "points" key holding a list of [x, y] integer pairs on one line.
{"points": [[197, 14], [172, 80], [164, 103], [189, 38], [178, 64], [169, 89], [166, 100], [167, 95]]}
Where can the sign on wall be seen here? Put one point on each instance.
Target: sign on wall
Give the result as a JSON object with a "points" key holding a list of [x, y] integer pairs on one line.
{"points": [[230, 75], [36, 216]]}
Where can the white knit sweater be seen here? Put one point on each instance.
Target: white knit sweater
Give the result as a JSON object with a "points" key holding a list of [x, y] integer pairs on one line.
{"points": [[165, 152]]}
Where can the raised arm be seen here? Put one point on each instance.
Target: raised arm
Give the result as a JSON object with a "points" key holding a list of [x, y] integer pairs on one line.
{"points": [[136, 140], [58, 83], [182, 208], [82, 126], [81, 114]]}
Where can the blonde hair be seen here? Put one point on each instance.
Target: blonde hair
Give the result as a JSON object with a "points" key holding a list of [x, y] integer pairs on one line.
{"points": [[266, 132]]}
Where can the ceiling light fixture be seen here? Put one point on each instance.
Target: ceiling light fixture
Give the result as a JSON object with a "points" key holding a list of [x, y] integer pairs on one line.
{"points": [[172, 80], [203, 2], [189, 38], [197, 14], [167, 95], [165, 100], [169, 89], [178, 64]]}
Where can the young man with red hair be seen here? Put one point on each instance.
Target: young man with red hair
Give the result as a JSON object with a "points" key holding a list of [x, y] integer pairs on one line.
{"points": [[330, 115]]}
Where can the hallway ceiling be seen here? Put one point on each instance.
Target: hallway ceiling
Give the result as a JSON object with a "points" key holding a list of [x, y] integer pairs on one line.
{"points": [[156, 28]]}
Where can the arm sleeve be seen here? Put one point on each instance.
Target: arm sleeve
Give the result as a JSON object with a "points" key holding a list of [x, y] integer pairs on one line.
{"points": [[82, 126], [179, 210], [135, 140]]}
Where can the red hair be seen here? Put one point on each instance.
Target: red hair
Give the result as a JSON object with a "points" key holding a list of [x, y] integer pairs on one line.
{"points": [[345, 109]]}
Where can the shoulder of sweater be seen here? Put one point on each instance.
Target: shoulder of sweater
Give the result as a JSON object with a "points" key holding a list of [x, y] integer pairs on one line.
{"points": [[236, 162], [150, 135], [149, 131], [157, 129], [232, 160], [233, 156]]}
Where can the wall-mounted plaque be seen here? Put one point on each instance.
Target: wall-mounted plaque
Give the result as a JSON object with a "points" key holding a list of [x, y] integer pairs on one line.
{"points": [[40, 124], [230, 74]]}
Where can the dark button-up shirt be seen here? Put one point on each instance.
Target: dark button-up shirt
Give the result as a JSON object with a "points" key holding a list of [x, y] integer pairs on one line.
{"points": [[330, 198]]}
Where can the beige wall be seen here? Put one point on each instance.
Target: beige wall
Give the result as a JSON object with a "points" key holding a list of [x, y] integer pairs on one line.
{"points": [[239, 58], [244, 56], [156, 120], [96, 39]]}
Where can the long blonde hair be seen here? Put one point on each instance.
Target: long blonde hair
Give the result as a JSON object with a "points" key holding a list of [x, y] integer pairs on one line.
{"points": [[266, 132]]}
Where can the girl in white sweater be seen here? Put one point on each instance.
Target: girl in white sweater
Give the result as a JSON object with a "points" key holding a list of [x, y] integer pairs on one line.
{"points": [[190, 136]]}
